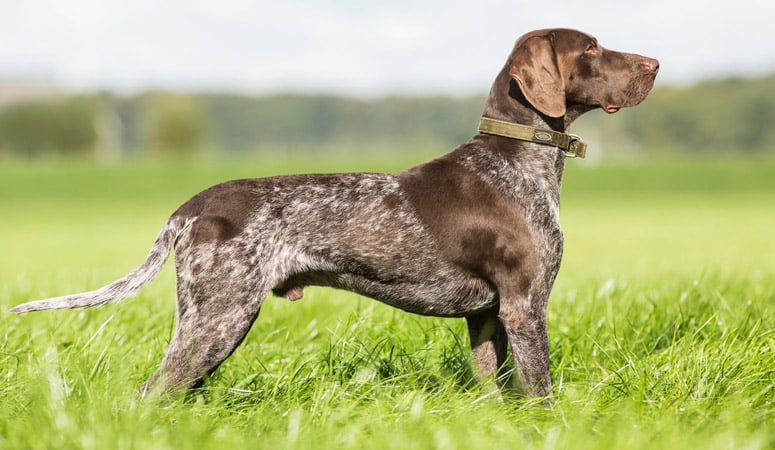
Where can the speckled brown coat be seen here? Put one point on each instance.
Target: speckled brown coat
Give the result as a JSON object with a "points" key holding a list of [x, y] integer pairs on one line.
{"points": [[474, 234]]}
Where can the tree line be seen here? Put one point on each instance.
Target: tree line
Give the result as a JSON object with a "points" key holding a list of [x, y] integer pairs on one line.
{"points": [[735, 114]]}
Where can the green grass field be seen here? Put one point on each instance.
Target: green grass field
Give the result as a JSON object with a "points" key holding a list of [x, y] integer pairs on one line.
{"points": [[661, 323]]}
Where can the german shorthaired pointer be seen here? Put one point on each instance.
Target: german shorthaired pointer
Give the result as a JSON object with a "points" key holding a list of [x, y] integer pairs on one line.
{"points": [[473, 234]]}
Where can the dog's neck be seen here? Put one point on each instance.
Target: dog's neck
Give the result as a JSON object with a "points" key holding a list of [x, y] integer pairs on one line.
{"points": [[507, 102]]}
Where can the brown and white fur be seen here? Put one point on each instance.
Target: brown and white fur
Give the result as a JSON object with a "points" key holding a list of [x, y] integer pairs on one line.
{"points": [[473, 234]]}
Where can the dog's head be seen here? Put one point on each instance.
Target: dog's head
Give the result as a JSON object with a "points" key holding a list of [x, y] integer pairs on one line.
{"points": [[558, 69]]}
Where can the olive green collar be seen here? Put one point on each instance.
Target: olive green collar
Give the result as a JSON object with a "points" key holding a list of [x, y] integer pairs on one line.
{"points": [[571, 144]]}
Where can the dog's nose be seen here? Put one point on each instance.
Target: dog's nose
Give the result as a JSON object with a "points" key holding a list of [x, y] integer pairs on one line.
{"points": [[650, 64]]}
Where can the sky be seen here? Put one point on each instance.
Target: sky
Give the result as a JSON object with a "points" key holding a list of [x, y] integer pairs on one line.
{"points": [[359, 48]]}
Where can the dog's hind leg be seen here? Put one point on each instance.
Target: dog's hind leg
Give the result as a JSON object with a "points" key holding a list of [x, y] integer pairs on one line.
{"points": [[217, 304]]}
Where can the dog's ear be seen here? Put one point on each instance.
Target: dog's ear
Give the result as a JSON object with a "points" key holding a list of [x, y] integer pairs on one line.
{"points": [[534, 68]]}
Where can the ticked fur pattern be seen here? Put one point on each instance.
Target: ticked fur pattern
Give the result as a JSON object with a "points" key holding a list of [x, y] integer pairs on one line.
{"points": [[474, 233]]}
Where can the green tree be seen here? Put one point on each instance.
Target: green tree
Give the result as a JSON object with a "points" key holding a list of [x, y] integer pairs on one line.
{"points": [[54, 125], [174, 124]]}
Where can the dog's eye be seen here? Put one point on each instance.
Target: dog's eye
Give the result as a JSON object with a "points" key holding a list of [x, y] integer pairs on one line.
{"points": [[592, 47]]}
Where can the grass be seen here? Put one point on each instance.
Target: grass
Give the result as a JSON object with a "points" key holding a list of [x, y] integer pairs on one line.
{"points": [[661, 324]]}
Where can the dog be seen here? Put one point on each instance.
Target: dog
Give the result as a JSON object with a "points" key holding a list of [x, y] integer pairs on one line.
{"points": [[473, 234]]}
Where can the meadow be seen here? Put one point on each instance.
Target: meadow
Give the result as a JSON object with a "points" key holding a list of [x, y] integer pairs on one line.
{"points": [[661, 322]]}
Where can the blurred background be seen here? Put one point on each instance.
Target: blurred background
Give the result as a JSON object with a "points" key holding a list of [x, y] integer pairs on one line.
{"points": [[121, 78]]}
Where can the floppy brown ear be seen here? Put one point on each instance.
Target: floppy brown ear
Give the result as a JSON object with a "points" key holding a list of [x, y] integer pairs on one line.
{"points": [[535, 70]]}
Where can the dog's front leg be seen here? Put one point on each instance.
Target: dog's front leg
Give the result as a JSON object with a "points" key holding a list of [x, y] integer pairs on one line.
{"points": [[525, 325], [488, 343]]}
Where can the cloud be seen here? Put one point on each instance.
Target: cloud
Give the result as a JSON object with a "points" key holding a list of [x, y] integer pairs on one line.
{"points": [[361, 48]]}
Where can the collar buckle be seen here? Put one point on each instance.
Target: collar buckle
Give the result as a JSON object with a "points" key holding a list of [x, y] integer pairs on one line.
{"points": [[577, 148]]}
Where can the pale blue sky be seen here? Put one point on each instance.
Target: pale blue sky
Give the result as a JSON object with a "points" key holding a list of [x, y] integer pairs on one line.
{"points": [[359, 47]]}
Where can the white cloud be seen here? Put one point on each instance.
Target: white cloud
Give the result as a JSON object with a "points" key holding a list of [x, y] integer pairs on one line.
{"points": [[359, 47]]}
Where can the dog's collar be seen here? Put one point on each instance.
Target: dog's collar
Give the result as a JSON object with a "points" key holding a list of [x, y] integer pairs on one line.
{"points": [[571, 144]]}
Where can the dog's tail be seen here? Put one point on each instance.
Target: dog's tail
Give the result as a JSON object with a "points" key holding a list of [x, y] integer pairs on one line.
{"points": [[126, 286]]}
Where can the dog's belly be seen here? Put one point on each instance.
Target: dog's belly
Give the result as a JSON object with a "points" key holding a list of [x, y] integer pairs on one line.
{"points": [[450, 297], [447, 295]]}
